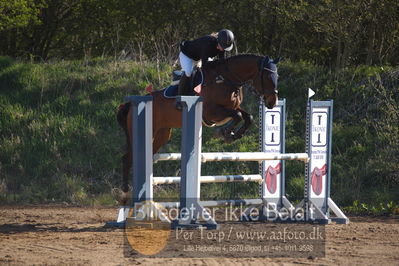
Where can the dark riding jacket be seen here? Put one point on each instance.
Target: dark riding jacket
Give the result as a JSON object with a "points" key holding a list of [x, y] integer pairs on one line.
{"points": [[202, 48]]}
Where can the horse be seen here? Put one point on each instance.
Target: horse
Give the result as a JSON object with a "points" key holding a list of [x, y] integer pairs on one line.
{"points": [[222, 93]]}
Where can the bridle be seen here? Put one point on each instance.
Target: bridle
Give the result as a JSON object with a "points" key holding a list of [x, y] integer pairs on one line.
{"points": [[265, 66]]}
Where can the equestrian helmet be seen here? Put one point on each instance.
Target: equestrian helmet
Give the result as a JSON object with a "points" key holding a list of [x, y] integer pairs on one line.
{"points": [[226, 39]]}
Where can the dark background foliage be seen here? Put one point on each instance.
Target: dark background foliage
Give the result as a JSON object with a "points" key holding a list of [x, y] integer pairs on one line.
{"points": [[328, 32]]}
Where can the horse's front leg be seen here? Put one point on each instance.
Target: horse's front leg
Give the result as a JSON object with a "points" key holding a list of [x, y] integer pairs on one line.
{"points": [[248, 121], [228, 132], [161, 136]]}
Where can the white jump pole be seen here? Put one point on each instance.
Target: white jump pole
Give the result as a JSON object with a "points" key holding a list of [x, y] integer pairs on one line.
{"points": [[235, 156], [209, 179]]}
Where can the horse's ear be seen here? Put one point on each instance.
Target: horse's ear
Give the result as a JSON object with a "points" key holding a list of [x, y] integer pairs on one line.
{"points": [[278, 59]]}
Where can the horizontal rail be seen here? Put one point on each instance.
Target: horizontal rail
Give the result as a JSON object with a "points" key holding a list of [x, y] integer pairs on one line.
{"points": [[210, 179], [235, 156], [216, 203]]}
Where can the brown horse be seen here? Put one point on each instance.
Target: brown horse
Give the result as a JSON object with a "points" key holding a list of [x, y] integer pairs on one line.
{"points": [[222, 92]]}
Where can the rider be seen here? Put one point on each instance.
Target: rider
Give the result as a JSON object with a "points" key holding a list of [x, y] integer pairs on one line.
{"points": [[201, 49]]}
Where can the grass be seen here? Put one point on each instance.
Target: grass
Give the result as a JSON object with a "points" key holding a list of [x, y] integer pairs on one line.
{"points": [[59, 136], [60, 141]]}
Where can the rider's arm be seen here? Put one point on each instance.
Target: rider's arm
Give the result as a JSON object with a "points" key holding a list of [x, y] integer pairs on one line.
{"points": [[209, 49], [217, 61]]}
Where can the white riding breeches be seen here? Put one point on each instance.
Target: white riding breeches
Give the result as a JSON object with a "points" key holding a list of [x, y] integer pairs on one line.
{"points": [[187, 64]]}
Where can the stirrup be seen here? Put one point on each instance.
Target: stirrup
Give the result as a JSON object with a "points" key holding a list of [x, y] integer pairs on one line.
{"points": [[178, 105]]}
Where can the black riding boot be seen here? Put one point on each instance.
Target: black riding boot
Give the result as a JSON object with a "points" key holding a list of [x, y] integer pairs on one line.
{"points": [[184, 85], [183, 89]]}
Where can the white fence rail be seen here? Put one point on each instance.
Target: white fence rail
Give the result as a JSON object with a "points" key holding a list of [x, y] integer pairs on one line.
{"points": [[210, 179], [235, 156]]}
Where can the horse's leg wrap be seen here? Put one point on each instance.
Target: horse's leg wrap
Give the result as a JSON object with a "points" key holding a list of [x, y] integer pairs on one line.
{"points": [[228, 132], [248, 121]]}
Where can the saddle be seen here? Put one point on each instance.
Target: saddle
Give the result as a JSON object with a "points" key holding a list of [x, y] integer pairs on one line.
{"points": [[271, 177], [196, 78], [317, 179]]}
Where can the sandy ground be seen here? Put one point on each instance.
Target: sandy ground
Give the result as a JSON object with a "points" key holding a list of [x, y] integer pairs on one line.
{"points": [[75, 236]]}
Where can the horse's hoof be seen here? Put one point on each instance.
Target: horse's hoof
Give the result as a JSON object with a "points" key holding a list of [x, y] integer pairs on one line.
{"points": [[229, 138], [124, 199], [237, 136], [120, 196]]}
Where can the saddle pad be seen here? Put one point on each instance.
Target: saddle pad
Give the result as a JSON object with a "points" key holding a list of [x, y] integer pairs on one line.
{"points": [[170, 91]]}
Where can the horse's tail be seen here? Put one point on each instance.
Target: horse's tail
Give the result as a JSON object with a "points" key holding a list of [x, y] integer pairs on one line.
{"points": [[122, 115]]}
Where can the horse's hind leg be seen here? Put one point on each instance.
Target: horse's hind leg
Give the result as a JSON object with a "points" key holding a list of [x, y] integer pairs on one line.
{"points": [[160, 138], [124, 120], [127, 165]]}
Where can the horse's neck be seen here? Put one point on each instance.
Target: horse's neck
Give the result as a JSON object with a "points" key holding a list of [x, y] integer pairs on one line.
{"points": [[244, 68]]}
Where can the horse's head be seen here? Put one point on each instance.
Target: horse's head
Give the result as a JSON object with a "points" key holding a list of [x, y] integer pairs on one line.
{"points": [[267, 85]]}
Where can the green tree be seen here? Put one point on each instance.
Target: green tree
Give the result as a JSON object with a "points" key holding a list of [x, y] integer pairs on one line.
{"points": [[18, 13]]}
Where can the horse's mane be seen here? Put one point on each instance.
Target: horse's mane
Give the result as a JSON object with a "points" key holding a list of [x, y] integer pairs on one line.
{"points": [[238, 56], [234, 57]]}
